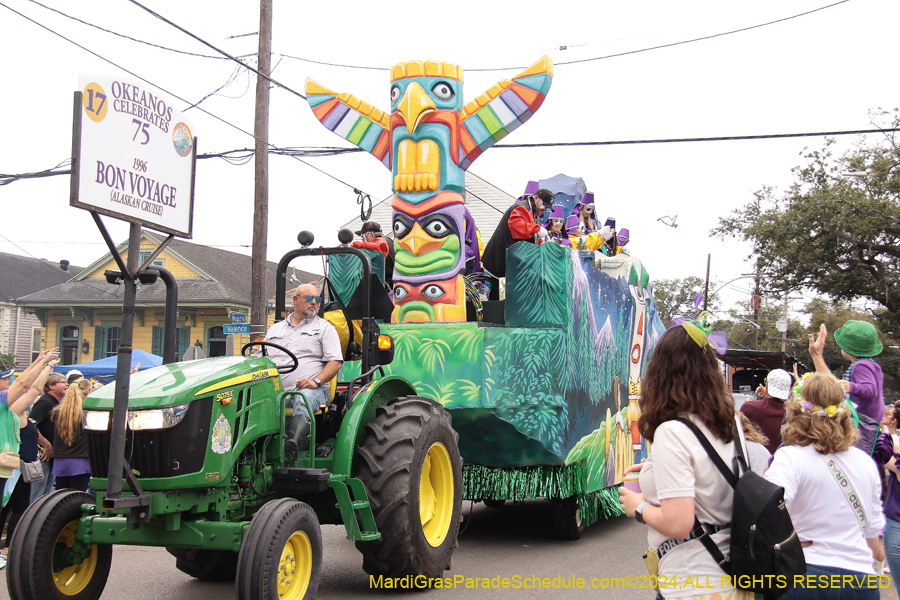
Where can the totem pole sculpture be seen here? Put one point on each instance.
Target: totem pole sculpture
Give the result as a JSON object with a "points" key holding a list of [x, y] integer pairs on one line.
{"points": [[428, 141], [637, 284]]}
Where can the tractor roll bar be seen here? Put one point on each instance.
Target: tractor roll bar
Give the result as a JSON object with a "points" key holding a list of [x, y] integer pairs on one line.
{"points": [[368, 323]]}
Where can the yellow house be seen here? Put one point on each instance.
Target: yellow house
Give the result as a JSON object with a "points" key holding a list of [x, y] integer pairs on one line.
{"points": [[83, 316]]}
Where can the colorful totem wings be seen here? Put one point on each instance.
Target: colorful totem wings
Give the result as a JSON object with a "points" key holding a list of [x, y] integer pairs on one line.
{"points": [[428, 141]]}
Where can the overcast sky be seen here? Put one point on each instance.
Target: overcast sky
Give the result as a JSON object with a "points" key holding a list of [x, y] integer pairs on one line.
{"points": [[823, 71]]}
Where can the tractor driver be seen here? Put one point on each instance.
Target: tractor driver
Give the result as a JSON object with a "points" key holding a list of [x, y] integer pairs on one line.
{"points": [[315, 343]]}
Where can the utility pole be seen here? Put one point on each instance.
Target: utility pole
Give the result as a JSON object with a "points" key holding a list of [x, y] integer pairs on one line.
{"points": [[261, 190], [784, 316], [706, 286], [756, 303]]}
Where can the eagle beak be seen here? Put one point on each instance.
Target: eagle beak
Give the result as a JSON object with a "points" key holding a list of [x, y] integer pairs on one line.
{"points": [[415, 106]]}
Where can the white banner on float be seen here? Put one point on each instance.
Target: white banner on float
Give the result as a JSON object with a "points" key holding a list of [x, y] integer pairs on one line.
{"points": [[134, 155]]}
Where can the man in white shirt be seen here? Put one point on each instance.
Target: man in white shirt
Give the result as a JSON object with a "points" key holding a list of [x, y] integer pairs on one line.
{"points": [[315, 343]]}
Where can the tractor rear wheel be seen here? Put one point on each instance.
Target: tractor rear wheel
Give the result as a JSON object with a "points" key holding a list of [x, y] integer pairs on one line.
{"points": [[281, 555], [410, 465], [567, 521], [47, 565], [205, 565]]}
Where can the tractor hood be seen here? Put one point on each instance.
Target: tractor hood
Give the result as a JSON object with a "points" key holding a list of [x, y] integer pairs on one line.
{"points": [[178, 383]]}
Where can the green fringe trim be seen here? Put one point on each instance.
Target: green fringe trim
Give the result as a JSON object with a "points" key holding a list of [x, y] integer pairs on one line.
{"points": [[481, 482], [601, 504]]}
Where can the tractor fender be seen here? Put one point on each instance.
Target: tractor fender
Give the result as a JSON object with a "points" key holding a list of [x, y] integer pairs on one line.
{"points": [[353, 428]]}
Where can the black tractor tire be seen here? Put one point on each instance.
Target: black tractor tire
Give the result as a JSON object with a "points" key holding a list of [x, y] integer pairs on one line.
{"points": [[205, 565], [567, 521], [49, 523], [17, 579], [281, 555], [409, 438], [494, 503]]}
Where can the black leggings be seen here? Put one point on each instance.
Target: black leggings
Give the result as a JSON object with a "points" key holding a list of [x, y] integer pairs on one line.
{"points": [[75, 482], [17, 504]]}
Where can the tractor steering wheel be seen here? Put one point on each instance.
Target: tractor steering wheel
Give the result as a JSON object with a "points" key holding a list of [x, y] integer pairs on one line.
{"points": [[283, 368]]}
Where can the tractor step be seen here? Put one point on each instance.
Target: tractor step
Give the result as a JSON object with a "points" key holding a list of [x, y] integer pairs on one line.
{"points": [[356, 511]]}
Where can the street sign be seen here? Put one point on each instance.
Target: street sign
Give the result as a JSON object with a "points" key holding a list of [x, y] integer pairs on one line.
{"points": [[237, 329], [238, 318], [133, 155]]}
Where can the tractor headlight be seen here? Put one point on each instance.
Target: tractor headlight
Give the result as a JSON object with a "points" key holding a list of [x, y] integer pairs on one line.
{"points": [[95, 420], [161, 418]]}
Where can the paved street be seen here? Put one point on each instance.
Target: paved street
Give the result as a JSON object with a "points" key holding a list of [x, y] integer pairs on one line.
{"points": [[513, 540]]}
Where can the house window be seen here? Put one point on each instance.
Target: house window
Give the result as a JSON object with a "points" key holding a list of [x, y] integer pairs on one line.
{"points": [[157, 262], [111, 335], [215, 345], [35, 343], [182, 341]]}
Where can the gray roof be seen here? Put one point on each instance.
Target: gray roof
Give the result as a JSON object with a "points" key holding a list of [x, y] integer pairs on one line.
{"points": [[23, 275], [225, 277], [486, 202]]}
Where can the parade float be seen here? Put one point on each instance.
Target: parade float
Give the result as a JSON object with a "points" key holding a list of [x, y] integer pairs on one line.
{"points": [[543, 385]]}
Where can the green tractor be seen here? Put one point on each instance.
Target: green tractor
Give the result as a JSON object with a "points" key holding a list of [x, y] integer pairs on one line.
{"points": [[230, 474]]}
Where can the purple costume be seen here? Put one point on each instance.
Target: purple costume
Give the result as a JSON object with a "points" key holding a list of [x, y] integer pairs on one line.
{"points": [[560, 237], [867, 388], [473, 256]]}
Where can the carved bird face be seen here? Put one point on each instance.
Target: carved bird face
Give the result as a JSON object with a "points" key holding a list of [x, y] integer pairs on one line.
{"points": [[426, 99], [437, 300], [429, 243]]}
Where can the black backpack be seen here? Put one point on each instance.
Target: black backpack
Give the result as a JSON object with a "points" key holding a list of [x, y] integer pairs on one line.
{"points": [[765, 550]]}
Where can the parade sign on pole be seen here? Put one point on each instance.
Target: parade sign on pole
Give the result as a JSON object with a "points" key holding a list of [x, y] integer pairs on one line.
{"points": [[134, 155]]}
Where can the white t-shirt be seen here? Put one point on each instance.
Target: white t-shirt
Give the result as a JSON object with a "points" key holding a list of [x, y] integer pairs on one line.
{"points": [[821, 512], [679, 467]]}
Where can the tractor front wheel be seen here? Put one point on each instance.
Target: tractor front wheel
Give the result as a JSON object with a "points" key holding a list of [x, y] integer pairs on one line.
{"points": [[410, 465], [50, 563], [281, 555]]}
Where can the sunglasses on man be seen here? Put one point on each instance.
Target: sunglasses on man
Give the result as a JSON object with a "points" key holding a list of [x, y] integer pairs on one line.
{"points": [[310, 298]]}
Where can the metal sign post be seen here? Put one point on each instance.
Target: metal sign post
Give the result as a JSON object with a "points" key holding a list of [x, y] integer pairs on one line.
{"points": [[134, 159]]}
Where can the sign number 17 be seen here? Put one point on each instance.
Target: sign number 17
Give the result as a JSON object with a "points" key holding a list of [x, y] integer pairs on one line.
{"points": [[141, 128]]}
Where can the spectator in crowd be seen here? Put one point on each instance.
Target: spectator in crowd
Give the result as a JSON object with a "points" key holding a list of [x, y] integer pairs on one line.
{"points": [[16, 437], [70, 453], [73, 376], [831, 490], [679, 480], [864, 380], [767, 413], [54, 391]]}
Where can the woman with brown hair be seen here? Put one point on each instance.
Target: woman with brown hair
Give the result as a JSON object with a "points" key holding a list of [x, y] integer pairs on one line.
{"points": [[70, 455], [679, 479], [831, 488]]}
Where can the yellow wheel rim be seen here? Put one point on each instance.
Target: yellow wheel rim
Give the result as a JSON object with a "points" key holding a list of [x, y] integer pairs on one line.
{"points": [[295, 567], [436, 494], [73, 579]]}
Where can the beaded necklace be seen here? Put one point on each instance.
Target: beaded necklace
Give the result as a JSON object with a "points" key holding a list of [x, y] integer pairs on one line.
{"points": [[846, 376]]}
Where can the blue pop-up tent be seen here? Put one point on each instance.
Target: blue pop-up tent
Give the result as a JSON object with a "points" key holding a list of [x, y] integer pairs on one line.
{"points": [[104, 370]]}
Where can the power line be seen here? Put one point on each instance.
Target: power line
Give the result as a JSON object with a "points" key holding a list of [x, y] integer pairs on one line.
{"points": [[122, 35], [222, 52], [596, 58], [5, 180], [368, 68], [768, 136]]}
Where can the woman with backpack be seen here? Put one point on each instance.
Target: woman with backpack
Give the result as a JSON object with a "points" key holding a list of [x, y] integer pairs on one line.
{"points": [[679, 479], [832, 491]]}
